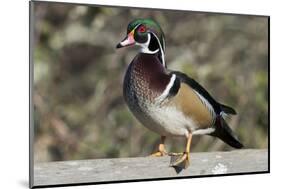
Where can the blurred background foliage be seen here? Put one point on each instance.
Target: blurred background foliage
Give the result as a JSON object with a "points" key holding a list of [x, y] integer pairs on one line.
{"points": [[79, 111]]}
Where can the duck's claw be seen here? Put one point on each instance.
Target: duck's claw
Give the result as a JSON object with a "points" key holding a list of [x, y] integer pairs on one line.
{"points": [[159, 154], [182, 159], [161, 149]]}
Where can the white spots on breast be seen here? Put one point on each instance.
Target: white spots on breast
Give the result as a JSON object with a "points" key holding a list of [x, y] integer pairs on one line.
{"points": [[219, 169]]}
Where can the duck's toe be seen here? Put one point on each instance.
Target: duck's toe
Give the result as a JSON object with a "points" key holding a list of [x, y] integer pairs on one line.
{"points": [[181, 160]]}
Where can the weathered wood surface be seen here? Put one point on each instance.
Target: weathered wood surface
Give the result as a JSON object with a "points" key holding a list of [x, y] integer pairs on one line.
{"points": [[100, 170]]}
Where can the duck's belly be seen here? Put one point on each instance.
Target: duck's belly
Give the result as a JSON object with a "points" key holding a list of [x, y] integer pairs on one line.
{"points": [[169, 121], [165, 120]]}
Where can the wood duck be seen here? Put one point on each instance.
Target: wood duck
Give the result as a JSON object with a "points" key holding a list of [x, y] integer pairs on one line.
{"points": [[169, 103]]}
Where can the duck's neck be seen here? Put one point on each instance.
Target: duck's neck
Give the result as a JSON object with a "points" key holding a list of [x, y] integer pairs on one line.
{"points": [[153, 46]]}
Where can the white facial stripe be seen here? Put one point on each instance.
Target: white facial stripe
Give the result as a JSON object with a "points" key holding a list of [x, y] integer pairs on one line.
{"points": [[165, 93], [161, 50], [136, 27], [164, 46]]}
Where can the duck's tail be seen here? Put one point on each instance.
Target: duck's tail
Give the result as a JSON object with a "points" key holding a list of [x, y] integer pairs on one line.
{"points": [[224, 132]]}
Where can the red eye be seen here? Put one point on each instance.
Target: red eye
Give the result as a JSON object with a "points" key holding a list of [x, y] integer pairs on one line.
{"points": [[142, 29]]}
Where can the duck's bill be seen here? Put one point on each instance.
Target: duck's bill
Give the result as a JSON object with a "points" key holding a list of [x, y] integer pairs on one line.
{"points": [[128, 41]]}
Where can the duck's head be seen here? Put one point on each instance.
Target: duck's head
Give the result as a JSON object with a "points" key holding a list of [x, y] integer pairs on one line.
{"points": [[147, 34]]}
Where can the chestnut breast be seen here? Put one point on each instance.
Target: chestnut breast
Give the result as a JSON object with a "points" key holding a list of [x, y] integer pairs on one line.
{"points": [[145, 79]]}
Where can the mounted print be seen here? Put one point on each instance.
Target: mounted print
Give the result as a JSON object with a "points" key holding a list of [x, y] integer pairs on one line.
{"points": [[121, 94]]}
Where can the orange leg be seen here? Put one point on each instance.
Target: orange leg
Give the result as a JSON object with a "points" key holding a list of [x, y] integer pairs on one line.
{"points": [[185, 155], [161, 148]]}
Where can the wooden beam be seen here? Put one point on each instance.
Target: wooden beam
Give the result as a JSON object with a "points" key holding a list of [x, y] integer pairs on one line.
{"points": [[101, 170]]}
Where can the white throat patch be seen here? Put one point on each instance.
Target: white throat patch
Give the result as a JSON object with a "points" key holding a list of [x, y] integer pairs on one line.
{"points": [[145, 49], [161, 50], [144, 46]]}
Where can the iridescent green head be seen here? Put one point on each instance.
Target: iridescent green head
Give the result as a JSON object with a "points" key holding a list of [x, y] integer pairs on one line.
{"points": [[147, 34]]}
